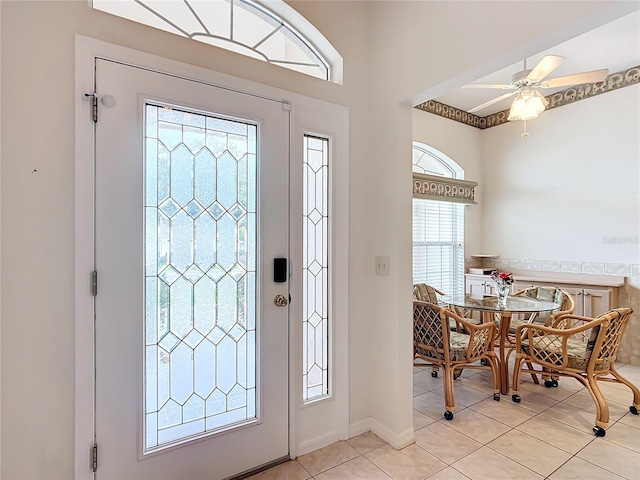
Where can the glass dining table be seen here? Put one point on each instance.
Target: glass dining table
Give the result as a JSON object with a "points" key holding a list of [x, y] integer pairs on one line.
{"points": [[488, 304]]}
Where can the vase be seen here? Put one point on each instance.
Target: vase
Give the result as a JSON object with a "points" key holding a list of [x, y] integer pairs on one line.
{"points": [[502, 292]]}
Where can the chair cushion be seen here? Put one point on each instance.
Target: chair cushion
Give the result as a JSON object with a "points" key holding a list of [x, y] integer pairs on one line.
{"points": [[424, 293], [551, 350], [516, 322], [542, 294], [458, 342]]}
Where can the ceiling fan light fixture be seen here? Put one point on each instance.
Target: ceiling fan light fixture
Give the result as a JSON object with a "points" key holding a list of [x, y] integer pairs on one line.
{"points": [[526, 106]]}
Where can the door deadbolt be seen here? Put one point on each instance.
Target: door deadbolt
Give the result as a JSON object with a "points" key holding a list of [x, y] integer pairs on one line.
{"points": [[280, 301]]}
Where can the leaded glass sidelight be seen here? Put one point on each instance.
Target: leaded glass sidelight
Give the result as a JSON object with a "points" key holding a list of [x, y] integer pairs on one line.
{"points": [[315, 211], [200, 251]]}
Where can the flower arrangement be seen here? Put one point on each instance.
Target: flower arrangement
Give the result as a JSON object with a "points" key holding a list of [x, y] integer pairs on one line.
{"points": [[502, 278]]}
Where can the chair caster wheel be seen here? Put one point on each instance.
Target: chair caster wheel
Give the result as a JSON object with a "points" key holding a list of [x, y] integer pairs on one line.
{"points": [[483, 361], [599, 431], [516, 398], [448, 415], [554, 383], [456, 376], [434, 374], [548, 383], [496, 397], [633, 410]]}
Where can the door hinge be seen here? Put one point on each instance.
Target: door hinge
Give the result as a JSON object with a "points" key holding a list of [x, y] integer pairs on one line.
{"points": [[94, 283], [94, 458], [94, 103]]}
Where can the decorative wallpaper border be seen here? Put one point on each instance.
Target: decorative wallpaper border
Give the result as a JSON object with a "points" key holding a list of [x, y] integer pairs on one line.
{"points": [[432, 187], [613, 81]]}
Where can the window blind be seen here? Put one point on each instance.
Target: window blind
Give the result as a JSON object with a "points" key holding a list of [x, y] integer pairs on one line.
{"points": [[438, 245]]}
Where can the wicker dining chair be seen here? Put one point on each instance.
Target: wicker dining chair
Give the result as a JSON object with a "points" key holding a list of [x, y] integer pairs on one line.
{"points": [[579, 347], [426, 293], [549, 294], [437, 345]]}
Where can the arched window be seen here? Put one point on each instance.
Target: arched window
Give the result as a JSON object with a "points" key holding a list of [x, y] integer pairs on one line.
{"points": [[438, 227], [273, 32]]}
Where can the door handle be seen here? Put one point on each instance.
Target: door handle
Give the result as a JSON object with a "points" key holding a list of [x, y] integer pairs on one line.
{"points": [[280, 301]]}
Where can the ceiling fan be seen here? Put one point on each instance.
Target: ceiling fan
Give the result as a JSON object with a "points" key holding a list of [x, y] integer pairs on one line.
{"points": [[529, 102]]}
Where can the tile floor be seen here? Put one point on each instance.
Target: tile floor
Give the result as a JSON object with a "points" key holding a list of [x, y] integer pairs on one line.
{"points": [[546, 436]]}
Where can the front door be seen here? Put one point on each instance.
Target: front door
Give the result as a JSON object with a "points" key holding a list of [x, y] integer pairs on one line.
{"points": [[191, 208]]}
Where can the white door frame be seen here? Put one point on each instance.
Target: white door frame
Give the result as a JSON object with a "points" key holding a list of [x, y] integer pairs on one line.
{"points": [[308, 114]]}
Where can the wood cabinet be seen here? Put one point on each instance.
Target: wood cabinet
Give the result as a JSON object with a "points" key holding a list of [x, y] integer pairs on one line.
{"points": [[480, 284], [591, 300], [594, 301]]}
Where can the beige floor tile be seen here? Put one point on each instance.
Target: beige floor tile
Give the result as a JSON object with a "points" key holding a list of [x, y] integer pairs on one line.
{"points": [[630, 372], [534, 401], [578, 469], [423, 379], [477, 426], [625, 436], [357, 469], [431, 404], [582, 418], [631, 419], [584, 401], [327, 457], [445, 443], [558, 394], [366, 442], [504, 411], [485, 464], [581, 400], [448, 473], [479, 382], [612, 457], [418, 390], [291, 470], [410, 463], [465, 396], [616, 393], [562, 436], [534, 454], [420, 420]]}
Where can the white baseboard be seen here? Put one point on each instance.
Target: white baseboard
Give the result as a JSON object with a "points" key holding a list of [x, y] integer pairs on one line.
{"points": [[396, 440], [317, 442]]}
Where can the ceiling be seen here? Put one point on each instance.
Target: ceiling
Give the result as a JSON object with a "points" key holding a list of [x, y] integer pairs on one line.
{"points": [[615, 46]]}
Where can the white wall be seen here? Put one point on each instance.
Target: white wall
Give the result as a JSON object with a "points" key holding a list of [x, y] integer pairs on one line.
{"points": [[568, 198], [390, 52], [463, 144], [572, 183]]}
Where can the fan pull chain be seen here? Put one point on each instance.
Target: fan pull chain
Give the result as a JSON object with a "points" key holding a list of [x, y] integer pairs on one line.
{"points": [[525, 134]]}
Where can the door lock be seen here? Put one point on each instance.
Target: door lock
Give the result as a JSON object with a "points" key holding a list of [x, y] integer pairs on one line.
{"points": [[280, 301]]}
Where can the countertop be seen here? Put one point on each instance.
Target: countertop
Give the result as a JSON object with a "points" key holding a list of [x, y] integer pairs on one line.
{"points": [[564, 277]]}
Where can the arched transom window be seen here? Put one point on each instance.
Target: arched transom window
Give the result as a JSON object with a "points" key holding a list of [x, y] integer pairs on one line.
{"points": [[273, 32]]}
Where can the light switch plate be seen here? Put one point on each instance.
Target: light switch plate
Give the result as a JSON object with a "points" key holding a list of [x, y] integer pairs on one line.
{"points": [[382, 266]]}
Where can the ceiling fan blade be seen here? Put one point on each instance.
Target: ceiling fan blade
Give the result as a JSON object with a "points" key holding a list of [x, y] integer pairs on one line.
{"points": [[544, 67], [501, 86], [491, 102], [576, 79]]}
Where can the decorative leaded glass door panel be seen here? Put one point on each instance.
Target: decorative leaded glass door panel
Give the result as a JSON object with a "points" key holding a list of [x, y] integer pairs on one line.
{"points": [[191, 208]]}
